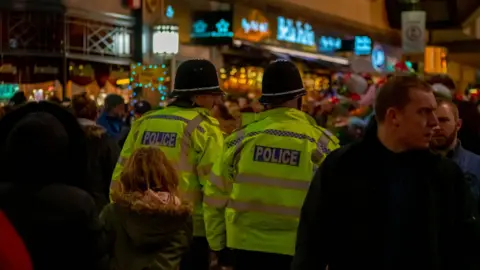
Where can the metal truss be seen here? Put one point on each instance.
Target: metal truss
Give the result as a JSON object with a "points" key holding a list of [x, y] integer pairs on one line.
{"points": [[35, 32], [97, 38], [79, 34]]}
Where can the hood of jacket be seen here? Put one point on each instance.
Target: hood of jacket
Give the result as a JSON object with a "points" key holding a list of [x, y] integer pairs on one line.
{"points": [[49, 139], [151, 218], [91, 128]]}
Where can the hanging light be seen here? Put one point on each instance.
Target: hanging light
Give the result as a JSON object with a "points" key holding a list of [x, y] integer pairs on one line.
{"points": [[165, 39]]}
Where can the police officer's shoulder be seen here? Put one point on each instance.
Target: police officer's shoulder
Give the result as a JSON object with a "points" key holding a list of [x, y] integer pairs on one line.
{"points": [[144, 117], [150, 113], [234, 138], [325, 132], [250, 124], [210, 120]]}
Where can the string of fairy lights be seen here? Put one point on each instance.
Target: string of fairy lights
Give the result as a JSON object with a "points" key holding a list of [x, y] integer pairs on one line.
{"points": [[150, 77]]}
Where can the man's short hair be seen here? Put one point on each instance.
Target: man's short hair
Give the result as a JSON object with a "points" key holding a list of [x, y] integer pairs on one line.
{"points": [[395, 93], [443, 79], [449, 102], [112, 101]]}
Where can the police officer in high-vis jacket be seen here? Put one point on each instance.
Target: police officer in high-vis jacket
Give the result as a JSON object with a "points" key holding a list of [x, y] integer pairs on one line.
{"points": [[190, 138], [253, 200]]}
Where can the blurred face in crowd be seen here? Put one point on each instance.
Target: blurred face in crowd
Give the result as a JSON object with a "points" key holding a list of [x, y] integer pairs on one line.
{"points": [[445, 134], [209, 101], [414, 124], [118, 111]]}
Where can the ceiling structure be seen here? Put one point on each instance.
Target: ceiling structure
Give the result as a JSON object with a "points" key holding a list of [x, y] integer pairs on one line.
{"points": [[441, 14]]}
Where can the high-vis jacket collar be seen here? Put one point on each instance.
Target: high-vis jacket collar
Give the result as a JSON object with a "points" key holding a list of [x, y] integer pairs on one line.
{"points": [[289, 112]]}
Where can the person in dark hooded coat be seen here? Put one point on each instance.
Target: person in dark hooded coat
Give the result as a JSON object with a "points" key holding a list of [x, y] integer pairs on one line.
{"points": [[44, 190], [148, 226], [103, 151]]}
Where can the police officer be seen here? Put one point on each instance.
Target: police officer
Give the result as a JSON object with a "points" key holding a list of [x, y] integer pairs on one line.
{"points": [[253, 200], [190, 138]]}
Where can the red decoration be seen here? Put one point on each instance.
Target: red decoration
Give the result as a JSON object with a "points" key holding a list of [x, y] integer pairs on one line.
{"points": [[135, 4], [355, 97], [401, 66], [334, 100]]}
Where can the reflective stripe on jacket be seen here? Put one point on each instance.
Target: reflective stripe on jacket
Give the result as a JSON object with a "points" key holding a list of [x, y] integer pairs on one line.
{"points": [[191, 140], [256, 190]]}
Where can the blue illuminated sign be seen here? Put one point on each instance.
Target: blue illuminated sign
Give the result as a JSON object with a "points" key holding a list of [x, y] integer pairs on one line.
{"points": [[363, 45], [201, 29], [170, 12], [212, 27], [295, 32], [8, 90], [254, 26], [329, 44], [222, 29], [378, 58]]}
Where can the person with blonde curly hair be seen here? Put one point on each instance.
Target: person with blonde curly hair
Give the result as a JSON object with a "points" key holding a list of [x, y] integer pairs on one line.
{"points": [[148, 225]]}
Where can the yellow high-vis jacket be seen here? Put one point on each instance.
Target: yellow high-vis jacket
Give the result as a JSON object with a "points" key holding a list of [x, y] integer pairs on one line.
{"points": [[190, 139], [254, 196]]}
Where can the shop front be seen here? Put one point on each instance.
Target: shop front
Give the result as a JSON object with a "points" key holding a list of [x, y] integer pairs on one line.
{"points": [[44, 50], [38, 78], [379, 60], [260, 37]]}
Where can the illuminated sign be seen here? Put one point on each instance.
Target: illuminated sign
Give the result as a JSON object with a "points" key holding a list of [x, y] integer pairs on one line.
{"points": [[165, 39], [363, 45], [170, 12], [222, 29], [212, 28], [200, 29], [295, 32], [329, 44], [8, 90], [378, 58], [251, 25], [254, 26]]}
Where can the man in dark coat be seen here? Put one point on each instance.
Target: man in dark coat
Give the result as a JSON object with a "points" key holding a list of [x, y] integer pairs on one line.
{"points": [[386, 202]]}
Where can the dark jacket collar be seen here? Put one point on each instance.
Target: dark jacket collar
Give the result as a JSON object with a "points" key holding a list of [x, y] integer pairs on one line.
{"points": [[373, 143]]}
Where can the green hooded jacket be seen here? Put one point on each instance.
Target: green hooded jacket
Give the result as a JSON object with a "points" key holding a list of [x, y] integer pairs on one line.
{"points": [[147, 234]]}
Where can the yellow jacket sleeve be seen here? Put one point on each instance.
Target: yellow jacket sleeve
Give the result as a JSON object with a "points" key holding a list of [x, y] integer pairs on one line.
{"points": [[326, 144], [216, 194]]}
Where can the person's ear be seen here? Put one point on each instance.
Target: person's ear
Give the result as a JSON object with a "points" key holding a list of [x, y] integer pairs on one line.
{"points": [[459, 124], [393, 116]]}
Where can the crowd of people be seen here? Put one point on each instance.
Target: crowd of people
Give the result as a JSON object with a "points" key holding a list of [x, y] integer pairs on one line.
{"points": [[212, 182]]}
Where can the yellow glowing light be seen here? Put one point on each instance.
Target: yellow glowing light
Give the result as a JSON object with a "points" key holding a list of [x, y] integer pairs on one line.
{"points": [[123, 81]]}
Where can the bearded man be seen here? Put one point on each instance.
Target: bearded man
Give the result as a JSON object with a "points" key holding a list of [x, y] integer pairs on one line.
{"points": [[445, 142]]}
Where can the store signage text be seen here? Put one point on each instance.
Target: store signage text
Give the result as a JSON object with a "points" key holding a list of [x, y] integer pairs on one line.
{"points": [[254, 26], [330, 44], [295, 32], [45, 70], [200, 29], [8, 69], [363, 45]]}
